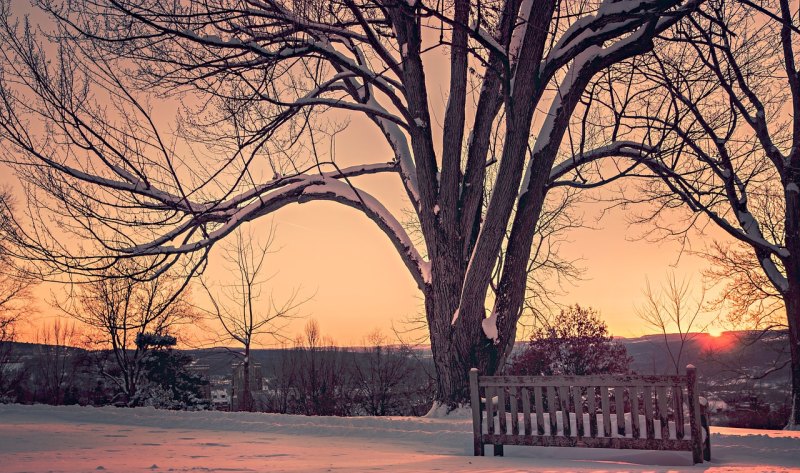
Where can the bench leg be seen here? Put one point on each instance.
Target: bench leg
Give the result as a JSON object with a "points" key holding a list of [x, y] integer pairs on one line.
{"points": [[498, 450], [478, 448]]}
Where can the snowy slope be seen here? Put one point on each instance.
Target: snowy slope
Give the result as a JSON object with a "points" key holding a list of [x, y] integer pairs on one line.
{"points": [[77, 439]]}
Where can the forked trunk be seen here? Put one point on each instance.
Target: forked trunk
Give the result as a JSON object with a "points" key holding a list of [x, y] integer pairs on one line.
{"points": [[455, 349], [452, 368]]}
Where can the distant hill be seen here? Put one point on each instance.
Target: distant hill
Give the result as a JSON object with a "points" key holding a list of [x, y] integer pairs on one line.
{"points": [[731, 369], [713, 356], [716, 358]]}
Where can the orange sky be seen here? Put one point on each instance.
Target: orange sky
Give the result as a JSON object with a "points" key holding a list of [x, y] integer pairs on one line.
{"points": [[359, 284]]}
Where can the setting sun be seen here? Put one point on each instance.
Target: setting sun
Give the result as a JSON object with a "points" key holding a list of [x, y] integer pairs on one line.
{"points": [[714, 331]]}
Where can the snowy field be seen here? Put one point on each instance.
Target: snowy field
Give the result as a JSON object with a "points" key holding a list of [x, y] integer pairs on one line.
{"points": [[82, 439]]}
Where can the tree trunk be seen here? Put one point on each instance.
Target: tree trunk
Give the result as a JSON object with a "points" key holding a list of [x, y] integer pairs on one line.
{"points": [[455, 348], [441, 301], [245, 399], [791, 297], [793, 318], [452, 387], [452, 369]]}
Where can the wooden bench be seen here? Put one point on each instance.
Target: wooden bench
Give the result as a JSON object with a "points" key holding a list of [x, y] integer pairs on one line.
{"points": [[608, 411]]}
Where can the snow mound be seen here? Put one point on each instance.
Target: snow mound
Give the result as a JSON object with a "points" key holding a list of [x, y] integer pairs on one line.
{"points": [[440, 411]]}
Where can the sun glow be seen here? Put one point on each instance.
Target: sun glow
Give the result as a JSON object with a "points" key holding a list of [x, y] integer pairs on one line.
{"points": [[714, 331]]}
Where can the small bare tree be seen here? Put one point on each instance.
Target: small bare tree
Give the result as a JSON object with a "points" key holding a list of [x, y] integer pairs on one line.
{"points": [[382, 375], [753, 309], [57, 360], [245, 313], [671, 310], [15, 303], [321, 382], [125, 316], [15, 285], [15, 299]]}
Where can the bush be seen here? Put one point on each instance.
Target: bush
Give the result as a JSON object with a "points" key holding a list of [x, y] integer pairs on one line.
{"points": [[168, 383], [576, 343]]}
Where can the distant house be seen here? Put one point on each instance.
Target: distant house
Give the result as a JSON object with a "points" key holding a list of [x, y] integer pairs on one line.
{"points": [[203, 371], [220, 400], [11, 368], [715, 406]]}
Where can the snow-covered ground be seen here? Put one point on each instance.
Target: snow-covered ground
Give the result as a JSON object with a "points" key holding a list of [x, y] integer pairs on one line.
{"points": [[81, 439]]}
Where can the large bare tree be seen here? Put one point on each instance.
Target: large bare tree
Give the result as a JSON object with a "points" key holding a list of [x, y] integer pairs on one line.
{"points": [[266, 72], [719, 97]]}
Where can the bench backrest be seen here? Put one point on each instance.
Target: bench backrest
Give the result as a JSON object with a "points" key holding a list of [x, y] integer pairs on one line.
{"points": [[614, 411]]}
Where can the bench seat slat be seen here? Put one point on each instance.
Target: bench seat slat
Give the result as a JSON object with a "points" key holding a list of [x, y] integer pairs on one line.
{"points": [[677, 409], [591, 402], [526, 410], [577, 400], [619, 401], [604, 401], [647, 399], [513, 401], [563, 401], [599, 442], [551, 409], [501, 410], [663, 413], [633, 396], [537, 394], [490, 409]]}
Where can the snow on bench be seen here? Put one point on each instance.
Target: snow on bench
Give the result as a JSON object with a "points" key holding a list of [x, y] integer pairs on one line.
{"points": [[607, 411]]}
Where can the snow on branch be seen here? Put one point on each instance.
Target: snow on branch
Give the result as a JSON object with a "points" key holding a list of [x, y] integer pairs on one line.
{"points": [[518, 36], [279, 192], [390, 124], [752, 232], [592, 57], [131, 184], [545, 136], [774, 274], [630, 149], [486, 39], [402, 151], [612, 19], [277, 182], [332, 189]]}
